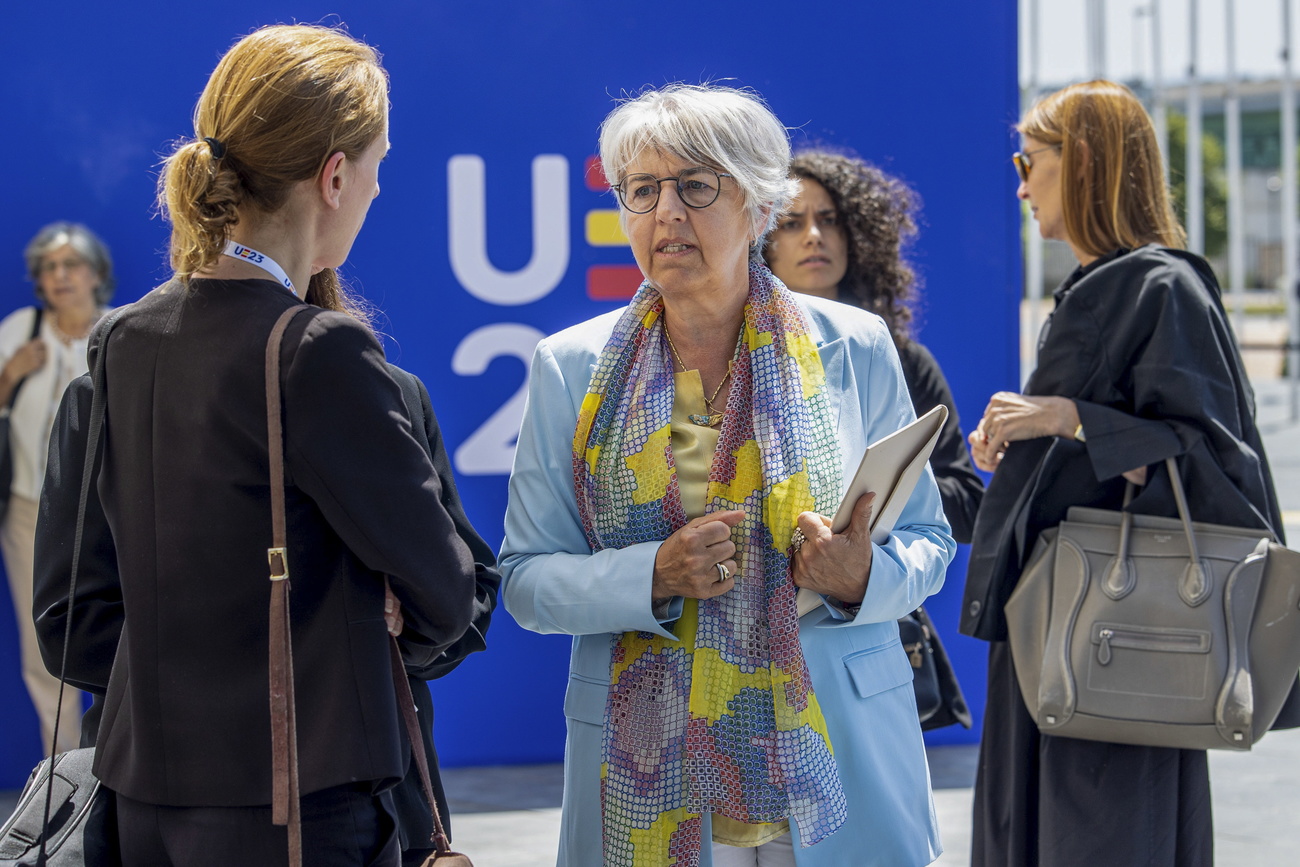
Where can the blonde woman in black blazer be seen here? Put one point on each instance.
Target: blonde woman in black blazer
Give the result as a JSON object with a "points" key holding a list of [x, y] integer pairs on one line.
{"points": [[97, 619], [265, 202]]}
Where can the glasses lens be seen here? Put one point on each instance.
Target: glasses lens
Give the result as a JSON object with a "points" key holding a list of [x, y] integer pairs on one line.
{"points": [[639, 193], [49, 266], [1022, 165], [699, 187]]}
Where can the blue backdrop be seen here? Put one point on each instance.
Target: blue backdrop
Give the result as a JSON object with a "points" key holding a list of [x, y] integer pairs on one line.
{"points": [[491, 232]]}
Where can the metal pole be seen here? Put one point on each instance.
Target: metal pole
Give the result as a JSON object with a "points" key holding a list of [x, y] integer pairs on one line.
{"points": [[1195, 179], [1289, 252], [1232, 132], [1096, 24], [1138, 13], [1159, 113], [1033, 46], [1033, 242]]}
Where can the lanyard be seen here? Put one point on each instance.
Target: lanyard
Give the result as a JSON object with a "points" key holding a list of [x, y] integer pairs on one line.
{"points": [[261, 260]]}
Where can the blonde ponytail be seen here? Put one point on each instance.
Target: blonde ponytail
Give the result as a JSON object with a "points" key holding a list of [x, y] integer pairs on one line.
{"points": [[279, 103], [201, 198]]}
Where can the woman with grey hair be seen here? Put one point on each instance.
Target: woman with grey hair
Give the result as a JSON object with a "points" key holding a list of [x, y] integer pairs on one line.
{"points": [[734, 697], [42, 349]]}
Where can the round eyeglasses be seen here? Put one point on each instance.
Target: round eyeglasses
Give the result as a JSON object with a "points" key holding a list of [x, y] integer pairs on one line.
{"points": [[71, 263], [697, 188], [1024, 164]]}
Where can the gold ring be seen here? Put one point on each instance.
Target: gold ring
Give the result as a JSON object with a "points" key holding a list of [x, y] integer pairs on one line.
{"points": [[723, 573]]}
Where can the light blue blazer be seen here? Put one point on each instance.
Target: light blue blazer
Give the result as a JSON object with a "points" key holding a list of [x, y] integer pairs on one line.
{"points": [[554, 583]]}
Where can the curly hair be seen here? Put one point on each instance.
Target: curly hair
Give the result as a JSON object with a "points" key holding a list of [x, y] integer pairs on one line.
{"points": [[877, 212]]}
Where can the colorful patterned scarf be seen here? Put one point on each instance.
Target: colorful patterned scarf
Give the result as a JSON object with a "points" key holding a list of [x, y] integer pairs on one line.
{"points": [[724, 719]]}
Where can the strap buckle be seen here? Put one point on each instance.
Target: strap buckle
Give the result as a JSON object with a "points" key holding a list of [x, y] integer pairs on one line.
{"points": [[278, 558]]}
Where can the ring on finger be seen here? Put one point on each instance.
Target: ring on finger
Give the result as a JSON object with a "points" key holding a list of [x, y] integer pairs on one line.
{"points": [[723, 572], [796, 541]]}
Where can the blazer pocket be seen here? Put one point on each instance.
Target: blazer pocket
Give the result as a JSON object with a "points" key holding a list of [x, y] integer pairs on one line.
{"points": [[585, 700], [877, 669]]}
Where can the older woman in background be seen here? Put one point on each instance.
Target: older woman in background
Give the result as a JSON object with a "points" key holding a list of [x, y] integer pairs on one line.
{"points": [[42, 349], [729, 695], [1137, 364]]}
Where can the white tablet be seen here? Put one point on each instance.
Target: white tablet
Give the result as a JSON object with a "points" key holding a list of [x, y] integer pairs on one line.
{"points": [[890, 467]]}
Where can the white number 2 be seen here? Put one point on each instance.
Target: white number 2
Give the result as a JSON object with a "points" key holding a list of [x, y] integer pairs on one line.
{"points": [[490, 450]]}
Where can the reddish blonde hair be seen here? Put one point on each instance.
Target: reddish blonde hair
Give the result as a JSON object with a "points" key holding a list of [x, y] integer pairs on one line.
{"points": [[279, 104], [1113, 190]]}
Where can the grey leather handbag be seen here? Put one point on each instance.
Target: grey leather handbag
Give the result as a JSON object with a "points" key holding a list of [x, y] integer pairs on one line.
{"points": [[1157, 631]]}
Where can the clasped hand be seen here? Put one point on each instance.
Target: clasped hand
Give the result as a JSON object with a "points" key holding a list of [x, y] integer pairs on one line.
{"points": [[836, 564], [687, 562], [392, 612], [1010, 417]]}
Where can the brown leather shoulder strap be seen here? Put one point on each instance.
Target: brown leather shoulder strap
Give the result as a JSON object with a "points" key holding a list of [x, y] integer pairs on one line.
{"points": [[284, 741], [406, 702], [284, 734]]}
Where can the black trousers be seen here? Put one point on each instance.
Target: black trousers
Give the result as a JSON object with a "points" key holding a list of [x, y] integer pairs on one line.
{"points": [[343, 826], [1043, 801]]}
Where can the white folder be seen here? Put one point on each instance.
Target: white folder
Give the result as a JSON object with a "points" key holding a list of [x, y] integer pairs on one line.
{"points": [[891, 467]]}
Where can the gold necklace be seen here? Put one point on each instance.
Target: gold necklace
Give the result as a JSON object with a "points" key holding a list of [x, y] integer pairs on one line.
{"points": [[713, 418]]}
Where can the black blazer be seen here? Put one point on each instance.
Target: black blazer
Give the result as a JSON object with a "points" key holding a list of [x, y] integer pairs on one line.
{"points": [[1140, 341], [98, 621], [97, 624], [185, 505], [414, 824]]}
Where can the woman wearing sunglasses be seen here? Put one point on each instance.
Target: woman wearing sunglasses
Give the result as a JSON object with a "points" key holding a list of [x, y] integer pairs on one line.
{"points": [[1137, 364]]}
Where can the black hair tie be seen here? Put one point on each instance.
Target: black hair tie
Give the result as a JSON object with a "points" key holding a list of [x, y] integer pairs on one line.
{"points": [[217, 148]]}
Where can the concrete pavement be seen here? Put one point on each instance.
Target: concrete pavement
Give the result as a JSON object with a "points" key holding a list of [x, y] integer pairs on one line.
{"points": [[509, 817]]}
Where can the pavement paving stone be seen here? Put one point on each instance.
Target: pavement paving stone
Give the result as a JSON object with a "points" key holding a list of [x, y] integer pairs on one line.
{"points": [[1256, 794], [1256, 802]]}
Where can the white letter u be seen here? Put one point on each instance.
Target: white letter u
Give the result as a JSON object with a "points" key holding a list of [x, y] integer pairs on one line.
{"points": [[467, 212]]}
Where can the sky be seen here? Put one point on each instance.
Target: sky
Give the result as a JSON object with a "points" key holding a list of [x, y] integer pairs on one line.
{"points": [[1063, 53]]}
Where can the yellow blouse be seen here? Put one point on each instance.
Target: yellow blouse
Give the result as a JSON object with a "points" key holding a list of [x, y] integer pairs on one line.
{"points": [[693, 448]]}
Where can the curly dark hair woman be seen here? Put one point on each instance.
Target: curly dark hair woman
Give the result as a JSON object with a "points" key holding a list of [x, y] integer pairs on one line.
{"points": [[873, 216], [843, 238]]}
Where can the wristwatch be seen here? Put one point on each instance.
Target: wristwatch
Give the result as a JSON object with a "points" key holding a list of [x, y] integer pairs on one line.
{"points": [[1078, 433]]}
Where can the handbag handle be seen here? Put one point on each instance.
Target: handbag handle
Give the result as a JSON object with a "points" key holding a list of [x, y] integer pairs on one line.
{"points": [[94, 439], [1195, 586], [406, 702]]}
